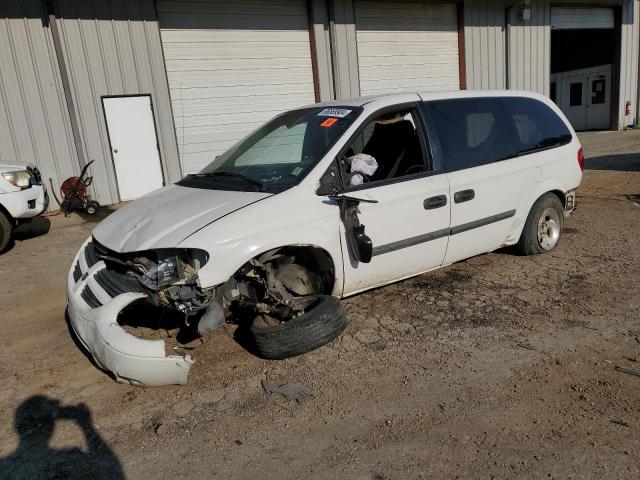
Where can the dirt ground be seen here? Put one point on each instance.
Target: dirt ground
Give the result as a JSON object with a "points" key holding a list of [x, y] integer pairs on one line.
{"points": [[497, 367]]}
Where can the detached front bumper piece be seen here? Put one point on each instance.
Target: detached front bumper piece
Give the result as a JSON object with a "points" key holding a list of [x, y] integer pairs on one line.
{"points": [[93, 314]]}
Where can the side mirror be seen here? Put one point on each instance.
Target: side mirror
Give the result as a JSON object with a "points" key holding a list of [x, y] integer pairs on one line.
{"points": [[363, 247], [360, 244]]}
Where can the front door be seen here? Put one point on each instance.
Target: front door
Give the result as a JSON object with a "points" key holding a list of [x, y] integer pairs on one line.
{"points": [[575, 95], [409, 224], [599, 104], [134, 145]]}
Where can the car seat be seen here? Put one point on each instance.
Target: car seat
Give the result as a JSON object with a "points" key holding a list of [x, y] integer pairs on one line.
{"points": [[396, 148]]}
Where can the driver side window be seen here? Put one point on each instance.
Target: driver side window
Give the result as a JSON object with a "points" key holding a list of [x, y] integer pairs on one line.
{"points": [[388, 147]]}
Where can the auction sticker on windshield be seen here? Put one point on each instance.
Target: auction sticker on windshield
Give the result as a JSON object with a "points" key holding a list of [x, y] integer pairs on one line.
{"points": [[329, 122], [334, 112]]}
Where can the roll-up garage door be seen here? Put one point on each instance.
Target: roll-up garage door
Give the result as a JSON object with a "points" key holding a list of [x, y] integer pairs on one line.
{"points": [[571, 18], [406, 46], [231, 66]]}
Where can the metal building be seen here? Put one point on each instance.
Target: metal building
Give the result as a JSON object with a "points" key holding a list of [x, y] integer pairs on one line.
{"points": [[152, 90]]}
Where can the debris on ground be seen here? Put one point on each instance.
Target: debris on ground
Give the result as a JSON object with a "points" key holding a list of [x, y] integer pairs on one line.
{"points": [[628, 371], [290, 391]]}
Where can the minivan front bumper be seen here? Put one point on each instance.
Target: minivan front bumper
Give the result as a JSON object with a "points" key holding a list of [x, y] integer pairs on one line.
{"points": [[130, 359]]}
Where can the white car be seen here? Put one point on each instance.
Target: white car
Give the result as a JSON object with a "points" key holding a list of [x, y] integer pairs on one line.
{"points": [[321, 203], [22, 198]]}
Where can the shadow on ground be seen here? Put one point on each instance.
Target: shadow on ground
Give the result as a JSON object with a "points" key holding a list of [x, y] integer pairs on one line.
{"points": [[35, 421], [35, 228], [102, 213], [627, 162]]}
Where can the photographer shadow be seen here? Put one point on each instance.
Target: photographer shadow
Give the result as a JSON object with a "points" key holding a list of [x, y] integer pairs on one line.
{"points": [[34, 423]]}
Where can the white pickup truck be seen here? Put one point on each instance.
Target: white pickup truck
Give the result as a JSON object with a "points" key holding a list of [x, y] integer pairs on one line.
{"points": [[320, 203], [22, 198]]}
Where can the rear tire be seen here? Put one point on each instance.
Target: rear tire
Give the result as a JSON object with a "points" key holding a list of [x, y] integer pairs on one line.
{"points": [[543, 228], [306, 332], [6, 228]]}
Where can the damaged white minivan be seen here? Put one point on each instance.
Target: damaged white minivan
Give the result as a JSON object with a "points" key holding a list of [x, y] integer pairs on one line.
{"points": [[320, 203]]}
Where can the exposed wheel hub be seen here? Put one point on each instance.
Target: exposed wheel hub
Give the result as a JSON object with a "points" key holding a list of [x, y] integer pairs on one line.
{"points": [[548, 229]]}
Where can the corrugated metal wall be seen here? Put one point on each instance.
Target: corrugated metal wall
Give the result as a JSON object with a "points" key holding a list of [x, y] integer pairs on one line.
{"points": [[318, 9], [34, 121], [629, 61], [112, 47], [529, 48], [344, 49], [484, 39]]}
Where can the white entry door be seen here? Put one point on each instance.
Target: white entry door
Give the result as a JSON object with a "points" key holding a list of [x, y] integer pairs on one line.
{"points": [[599, 104], [575, 102], [134, 145]]}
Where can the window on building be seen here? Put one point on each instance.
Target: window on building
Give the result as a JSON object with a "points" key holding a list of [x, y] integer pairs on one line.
{"points": [[478, 131], [597, 91], [575, 94]]}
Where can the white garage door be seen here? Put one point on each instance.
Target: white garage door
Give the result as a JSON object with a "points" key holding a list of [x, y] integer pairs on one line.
{"points": [[410, 46], [563, 18], [231, 66]]}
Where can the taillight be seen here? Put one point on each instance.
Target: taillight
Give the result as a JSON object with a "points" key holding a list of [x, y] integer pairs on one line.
{"points": [[581, 158]]}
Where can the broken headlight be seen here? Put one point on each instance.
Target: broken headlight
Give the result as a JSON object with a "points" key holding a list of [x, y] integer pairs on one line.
{"points": [[174, 268]]}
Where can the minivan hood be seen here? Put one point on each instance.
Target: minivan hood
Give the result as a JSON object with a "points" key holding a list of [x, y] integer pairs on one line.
{"points": [[162, 219]]}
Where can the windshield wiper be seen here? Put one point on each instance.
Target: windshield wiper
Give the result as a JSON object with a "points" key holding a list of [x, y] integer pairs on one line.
{"points": [[253, 182]]}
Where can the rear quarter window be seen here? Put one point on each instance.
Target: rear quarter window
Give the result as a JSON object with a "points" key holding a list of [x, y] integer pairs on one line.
{"points": [[478, 131]]}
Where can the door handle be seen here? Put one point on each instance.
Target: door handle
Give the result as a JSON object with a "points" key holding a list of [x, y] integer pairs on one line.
{"points": [[435, 202], [464, 196]]}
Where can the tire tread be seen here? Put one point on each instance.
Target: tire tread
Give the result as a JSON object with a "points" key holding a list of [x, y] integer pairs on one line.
{"points": [[302, 334]]}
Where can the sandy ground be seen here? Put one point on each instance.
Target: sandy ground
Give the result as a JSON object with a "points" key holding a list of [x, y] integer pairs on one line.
{"points": [[497, 367]]}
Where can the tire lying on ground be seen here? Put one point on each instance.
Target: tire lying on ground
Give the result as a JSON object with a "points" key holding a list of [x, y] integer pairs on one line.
{"points": [[323, 322]]}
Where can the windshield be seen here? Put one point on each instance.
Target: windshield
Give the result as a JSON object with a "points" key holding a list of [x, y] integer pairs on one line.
{"points": [[279, 154]]}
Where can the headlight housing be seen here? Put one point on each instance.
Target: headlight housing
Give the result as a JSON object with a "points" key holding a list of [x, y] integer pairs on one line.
{"points": [[20, 178], [174, 268]]}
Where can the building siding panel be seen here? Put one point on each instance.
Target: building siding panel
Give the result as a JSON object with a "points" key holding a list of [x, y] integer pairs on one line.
{"points": [[529, 48], [344, 49], [34, 122], [112, 47], [629, 61], [320, 30], [484, 29]]}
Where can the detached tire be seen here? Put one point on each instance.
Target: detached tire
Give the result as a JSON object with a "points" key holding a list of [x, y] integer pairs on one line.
{"points": [[543, 228], [311, 330], [6, 228]]}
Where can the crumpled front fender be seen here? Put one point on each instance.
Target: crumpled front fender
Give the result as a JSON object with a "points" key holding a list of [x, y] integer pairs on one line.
{"points": [[131, 359]]}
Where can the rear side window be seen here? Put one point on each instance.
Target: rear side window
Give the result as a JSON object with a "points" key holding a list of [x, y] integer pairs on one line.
{"points": [[477, 131]]}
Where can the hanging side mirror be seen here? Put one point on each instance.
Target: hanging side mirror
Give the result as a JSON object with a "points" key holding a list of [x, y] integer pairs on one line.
{"points": [[360, 244]]}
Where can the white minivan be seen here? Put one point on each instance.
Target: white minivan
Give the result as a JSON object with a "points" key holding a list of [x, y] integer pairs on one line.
{"points": [[320, 203]]}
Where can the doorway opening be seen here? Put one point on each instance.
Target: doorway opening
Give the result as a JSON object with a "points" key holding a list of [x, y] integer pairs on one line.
{"points": [[585, 50]]}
